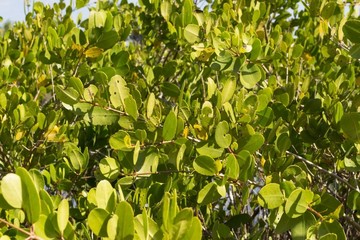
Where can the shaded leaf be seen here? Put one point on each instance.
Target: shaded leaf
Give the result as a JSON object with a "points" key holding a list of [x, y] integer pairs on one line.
{"points": [[205, 165]]}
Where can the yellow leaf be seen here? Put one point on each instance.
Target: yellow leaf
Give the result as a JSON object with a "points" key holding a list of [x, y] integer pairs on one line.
{"points": [[19, 135], [50, 135], [93, 52], [200, 132], [218, 165], [186, 132], [41, 81], [76, 47]]}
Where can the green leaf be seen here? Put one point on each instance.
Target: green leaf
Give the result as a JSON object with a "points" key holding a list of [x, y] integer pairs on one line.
{"points": [[100, 116], [338, 112], [63, 215], [169, 129], [298, 202], [125, 214], [353, 200], [97, 19], [209, 150], [76, 83], [328, 10], [232, 167], [329, 236], [77, 159], [118, 91], [297, 51], [109, 168], [250, 75], [195, 231], [69, 95], [136, 152], [90, 92], [265, 117], [98, 219], [252, 143], [150, 105], [247, 165], [107, 40], [147, 163], [131, 107], [332, 227], [180, 157], [186, 13], [191, 33], [153, 230], [270, 196], [182, 223], [303, 223], [11, 189], [208, 194], [228, 90], [30, 196], [283, 143], [105, 196], [112, 226], [351, 30], [355, 51], [350, 125], [205, 165], [81, 3], [256, 49], [170, 89], [165, 9], [329, 205], [222, 138]]}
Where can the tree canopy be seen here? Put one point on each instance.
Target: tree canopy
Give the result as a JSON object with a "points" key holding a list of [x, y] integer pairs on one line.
{"points": [[181, 119]]}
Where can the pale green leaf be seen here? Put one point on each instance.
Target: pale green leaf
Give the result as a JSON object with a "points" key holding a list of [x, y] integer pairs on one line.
{"points": [[191, 33], [270, 196], [63, 215], [11, 189]]}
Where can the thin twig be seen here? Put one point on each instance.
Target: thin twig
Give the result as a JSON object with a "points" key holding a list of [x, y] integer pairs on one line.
{"points": [[323, 170], [31, 235], [352, 222]]}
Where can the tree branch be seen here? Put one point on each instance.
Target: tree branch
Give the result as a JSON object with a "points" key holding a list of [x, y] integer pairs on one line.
{"points": [[323, 170]]}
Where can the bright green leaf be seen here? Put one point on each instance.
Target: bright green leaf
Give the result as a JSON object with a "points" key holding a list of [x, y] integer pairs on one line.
{"points": [[223, 139], [298, 202], [63, 215], [208, 194], [169, 129], [125, 214], [270, 196], [97, 220], [30, 196], [228, 90], [250, 75], [191, 33], [11, 189]]}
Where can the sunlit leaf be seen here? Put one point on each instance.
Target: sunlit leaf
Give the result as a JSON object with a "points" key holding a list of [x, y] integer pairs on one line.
{"points": [[270, 196]]}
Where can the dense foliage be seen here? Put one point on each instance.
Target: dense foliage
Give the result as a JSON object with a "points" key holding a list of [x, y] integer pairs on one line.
{"points": [[180, 120]]}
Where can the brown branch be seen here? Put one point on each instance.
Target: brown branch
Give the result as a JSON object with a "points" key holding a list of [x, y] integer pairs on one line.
{"points": [[31, 235], [316, 213]]}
